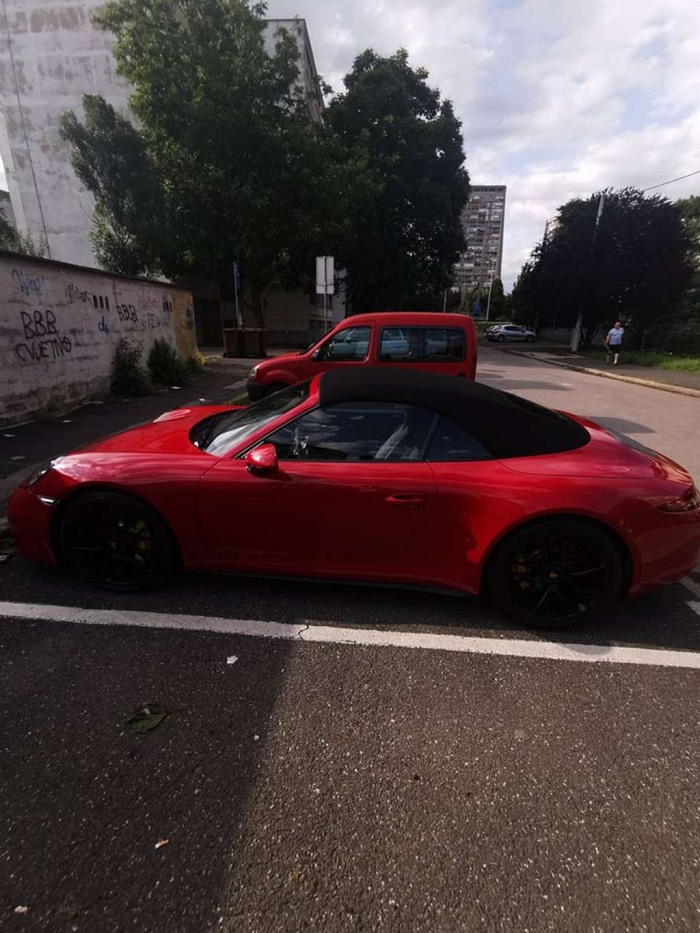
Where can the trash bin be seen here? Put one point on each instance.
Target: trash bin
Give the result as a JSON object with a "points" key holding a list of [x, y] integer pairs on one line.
{"points": [[245, 342]]}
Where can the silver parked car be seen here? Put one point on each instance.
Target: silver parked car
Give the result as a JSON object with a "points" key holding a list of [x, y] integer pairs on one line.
{"points": [[502, 332]]}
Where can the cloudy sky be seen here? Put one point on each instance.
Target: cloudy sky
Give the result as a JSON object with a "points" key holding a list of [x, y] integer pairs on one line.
{"points": [[558, 98]]}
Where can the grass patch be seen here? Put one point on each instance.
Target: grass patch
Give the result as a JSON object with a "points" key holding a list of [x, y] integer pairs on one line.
{"points": [[652, 358]]}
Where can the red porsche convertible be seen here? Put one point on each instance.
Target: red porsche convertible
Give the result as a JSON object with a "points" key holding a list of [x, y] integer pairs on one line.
{"points": [[374, 475]]}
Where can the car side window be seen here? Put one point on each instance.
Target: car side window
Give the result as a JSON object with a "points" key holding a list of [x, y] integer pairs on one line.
{"points": [[421, 344], [356, 431], [352, 343], [451, 442]]}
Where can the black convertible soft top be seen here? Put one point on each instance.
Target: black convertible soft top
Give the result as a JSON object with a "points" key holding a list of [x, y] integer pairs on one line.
{"points": [[506, 425]]}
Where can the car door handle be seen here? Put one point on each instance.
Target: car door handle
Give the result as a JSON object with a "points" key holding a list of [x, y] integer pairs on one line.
{"points": [[405, 500]]}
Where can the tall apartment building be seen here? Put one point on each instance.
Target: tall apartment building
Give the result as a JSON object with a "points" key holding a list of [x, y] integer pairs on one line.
{"points": [[482, 220], [50, 55]]}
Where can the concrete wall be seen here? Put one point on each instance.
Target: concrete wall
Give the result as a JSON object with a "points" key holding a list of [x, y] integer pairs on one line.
{"points": [[50, 55], [60, 324]]}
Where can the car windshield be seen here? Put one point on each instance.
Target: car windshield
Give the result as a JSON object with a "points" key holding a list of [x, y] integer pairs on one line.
{"points": [[218, 434]]}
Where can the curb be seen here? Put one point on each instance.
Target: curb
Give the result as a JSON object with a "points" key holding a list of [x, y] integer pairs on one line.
{"points": [[665, 386]]}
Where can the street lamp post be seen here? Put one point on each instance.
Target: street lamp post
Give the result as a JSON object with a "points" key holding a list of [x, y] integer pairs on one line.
{"points": [[488, 303]]}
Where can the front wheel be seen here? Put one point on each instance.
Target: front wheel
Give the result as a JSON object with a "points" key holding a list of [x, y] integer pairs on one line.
{"points": [[555, 572], [500, 338], [274, 387], [115, 541]]}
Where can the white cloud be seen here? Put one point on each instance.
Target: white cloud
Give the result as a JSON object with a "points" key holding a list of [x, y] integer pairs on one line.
{"points": [[557, 97]]}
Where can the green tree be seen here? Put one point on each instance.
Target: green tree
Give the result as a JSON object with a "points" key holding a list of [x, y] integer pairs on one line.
{"points": [[626, 259], [16, 242], [225, 135], [690, 212], [405, 240], [109, 157], [684, 330], [498, 304]]}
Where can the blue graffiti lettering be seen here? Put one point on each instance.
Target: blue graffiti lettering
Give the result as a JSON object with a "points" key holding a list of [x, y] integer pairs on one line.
{"points": [[28, 284]]}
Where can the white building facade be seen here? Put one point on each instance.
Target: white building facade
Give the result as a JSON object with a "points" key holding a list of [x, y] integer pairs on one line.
{"points": [[51, 54], [482, 220]]}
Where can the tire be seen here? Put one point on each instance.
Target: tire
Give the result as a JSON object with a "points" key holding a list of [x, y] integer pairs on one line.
{"points": [[555, 572], [501, 338], [529, 340], [274, 387], [115, 541]]}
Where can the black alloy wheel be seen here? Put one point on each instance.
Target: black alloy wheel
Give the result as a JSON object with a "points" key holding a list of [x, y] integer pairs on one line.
{"points": [[555, 572], [115, 541]]}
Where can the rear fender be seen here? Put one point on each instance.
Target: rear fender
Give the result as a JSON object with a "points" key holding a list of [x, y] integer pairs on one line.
{"points": [[630, 558]]}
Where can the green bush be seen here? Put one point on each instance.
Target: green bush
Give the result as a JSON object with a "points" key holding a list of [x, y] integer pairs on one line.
{"points": [[128, 375], [165, 366]]}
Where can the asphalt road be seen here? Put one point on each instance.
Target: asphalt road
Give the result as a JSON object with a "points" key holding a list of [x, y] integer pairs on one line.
{"points": [[339, 786]]}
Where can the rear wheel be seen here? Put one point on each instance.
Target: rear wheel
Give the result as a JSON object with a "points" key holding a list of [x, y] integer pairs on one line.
{"points": [[115, 541], [529, 339], [553, 573]]}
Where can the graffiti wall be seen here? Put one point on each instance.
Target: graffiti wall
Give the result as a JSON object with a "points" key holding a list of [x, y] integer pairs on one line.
{"points": [[59, 327]]}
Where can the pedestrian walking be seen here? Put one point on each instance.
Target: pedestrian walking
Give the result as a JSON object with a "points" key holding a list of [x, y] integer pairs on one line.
{"points": [[613, 342]]}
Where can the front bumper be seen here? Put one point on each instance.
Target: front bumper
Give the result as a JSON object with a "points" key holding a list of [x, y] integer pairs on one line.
{"points": [[255, 390], [30, 524]]}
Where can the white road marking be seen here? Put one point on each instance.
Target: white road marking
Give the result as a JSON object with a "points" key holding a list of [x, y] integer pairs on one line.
{"points": [[548, 650], [691, 585]]}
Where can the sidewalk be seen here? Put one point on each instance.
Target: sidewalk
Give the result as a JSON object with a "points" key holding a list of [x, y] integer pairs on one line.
{"points": [[669, 380], [23, 447]]}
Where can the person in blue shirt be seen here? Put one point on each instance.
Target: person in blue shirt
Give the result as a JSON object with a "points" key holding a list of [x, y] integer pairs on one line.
{"points": [[613, 342]]}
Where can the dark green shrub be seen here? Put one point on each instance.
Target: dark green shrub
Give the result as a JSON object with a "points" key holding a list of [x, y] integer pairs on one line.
{"points": [[128, 375], [165, 366]]}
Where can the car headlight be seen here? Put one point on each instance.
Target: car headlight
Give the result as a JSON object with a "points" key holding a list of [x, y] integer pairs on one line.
{"points": [[38, 474], [253, 372]]}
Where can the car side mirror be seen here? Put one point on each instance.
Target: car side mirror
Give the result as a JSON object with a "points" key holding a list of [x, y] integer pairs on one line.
{"points": [[317, 354], [262, 460]]}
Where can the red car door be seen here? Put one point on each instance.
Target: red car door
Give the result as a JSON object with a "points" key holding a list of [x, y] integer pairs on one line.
{"points": [[369, 520], [255, 522], [350, 498]]}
